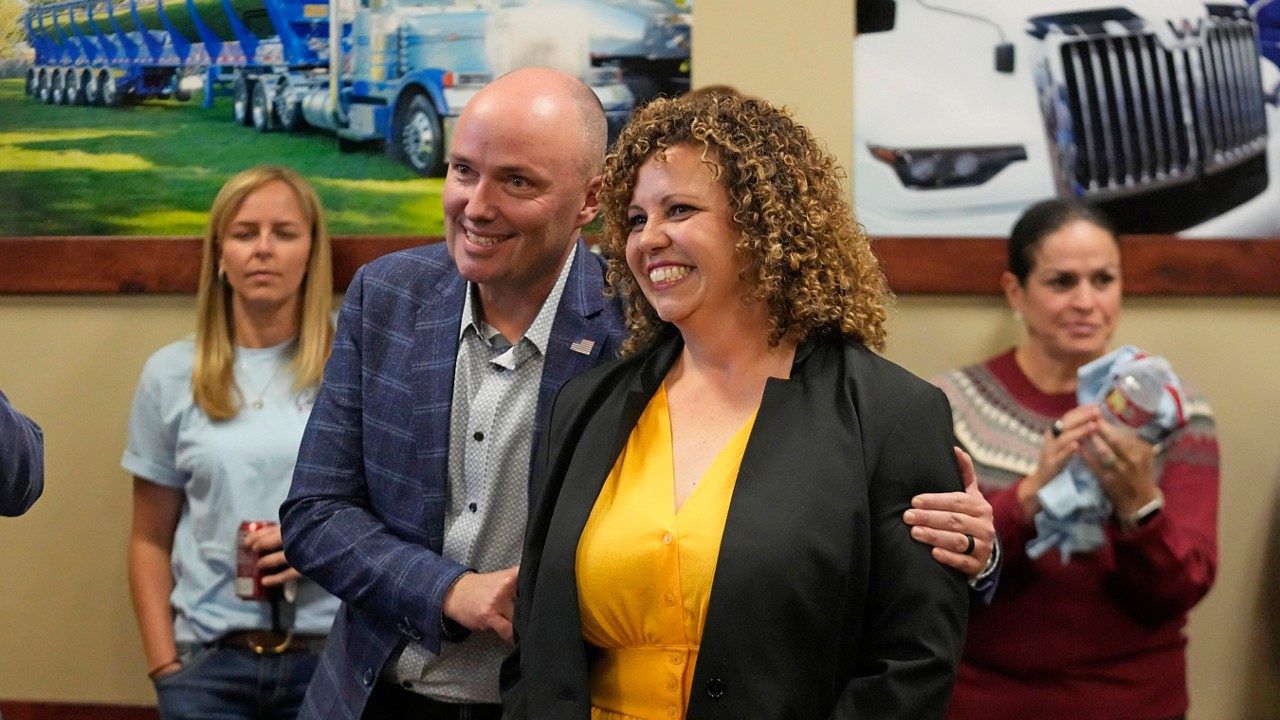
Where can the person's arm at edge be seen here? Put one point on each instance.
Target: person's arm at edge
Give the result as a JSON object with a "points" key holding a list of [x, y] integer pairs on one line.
{"points": [[21, 460], [917, 609], [156, 510], [330, 533]]}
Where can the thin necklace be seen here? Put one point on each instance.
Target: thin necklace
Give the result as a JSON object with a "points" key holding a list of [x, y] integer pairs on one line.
{"points": [[257, 403]]}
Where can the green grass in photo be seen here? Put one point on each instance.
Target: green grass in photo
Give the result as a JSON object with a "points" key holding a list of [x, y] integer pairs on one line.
{"points": [[154, 168]]}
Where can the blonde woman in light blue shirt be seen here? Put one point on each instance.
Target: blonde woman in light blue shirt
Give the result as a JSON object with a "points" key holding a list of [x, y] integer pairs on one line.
{"points": [[214, 432]]}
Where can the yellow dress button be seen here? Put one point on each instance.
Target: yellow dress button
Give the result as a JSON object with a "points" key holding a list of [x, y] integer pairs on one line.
{"points": [[666, 538], [677, 658], [671, 598]]}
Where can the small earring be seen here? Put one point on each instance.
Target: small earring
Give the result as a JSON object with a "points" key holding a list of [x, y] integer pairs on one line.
{"points": [[222, 274]]}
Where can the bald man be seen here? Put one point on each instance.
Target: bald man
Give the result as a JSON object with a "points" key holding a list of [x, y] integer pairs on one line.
{"points": [[411, 489]]}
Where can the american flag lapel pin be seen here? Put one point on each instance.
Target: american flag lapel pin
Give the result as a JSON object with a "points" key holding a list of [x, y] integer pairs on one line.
{"points": [[582, 346]]}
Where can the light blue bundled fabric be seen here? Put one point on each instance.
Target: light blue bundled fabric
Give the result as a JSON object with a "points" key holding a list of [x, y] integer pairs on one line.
{"points": [[1073, 505]]}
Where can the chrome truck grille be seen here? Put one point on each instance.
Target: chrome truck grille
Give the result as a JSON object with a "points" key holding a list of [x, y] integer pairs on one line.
{"points": [[1131, 107]]}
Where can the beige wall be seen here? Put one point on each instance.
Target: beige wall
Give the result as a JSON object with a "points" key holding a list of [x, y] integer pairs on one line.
{"points": [[66, 631], [793, 52], [66, 628]]}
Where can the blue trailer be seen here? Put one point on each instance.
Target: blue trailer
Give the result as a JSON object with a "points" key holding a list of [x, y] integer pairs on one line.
{"points": [[395, 72]]}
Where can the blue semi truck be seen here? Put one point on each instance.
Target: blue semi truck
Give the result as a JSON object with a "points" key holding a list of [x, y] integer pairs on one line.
{"points": [[396, 72]]}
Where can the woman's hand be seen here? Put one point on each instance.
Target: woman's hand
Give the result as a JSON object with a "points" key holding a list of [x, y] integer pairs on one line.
{"points": [[1059, 444], [947, 521], [1125, 466], [269, 546]]}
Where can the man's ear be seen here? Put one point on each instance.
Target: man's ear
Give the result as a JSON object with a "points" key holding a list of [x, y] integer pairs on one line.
{"points": [[590, 201]]}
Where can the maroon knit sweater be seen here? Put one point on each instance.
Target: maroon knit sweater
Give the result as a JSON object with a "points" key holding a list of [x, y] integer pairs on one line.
{"points": [[1102, 636]]}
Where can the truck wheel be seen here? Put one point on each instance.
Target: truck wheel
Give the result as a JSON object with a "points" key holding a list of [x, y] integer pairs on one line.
{"points": [[30, 87], [417, 139], [290, 114], [240, 102], [108, 90], [90, 84], [46, 92], [42, 86], [80, 87], [56, 91], [69, 85], [180, 93], [288, 110], [263, 118]]}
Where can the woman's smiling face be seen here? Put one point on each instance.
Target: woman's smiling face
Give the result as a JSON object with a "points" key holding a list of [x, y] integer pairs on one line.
{"points": [[681, 239]]}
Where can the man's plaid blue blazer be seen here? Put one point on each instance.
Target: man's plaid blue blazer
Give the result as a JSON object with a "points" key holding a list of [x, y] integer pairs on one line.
{"points": [[365, 515]]}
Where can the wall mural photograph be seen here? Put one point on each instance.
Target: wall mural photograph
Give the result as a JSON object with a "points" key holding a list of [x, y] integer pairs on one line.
{"points": [[1162, 112], [129, 114]]}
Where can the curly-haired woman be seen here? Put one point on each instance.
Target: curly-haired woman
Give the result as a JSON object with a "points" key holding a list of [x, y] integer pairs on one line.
{"points": [[748, 437]]}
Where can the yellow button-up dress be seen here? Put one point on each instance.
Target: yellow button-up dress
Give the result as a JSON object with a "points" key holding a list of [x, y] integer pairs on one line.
{"points": [[645, 570]]}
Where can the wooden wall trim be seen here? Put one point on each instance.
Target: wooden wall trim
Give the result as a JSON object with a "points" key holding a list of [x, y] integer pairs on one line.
{"points": [[1153, 265], [112, 265], [22, 710]]}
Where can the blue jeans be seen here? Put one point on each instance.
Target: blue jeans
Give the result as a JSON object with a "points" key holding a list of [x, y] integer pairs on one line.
{"points": [[233, 684]]}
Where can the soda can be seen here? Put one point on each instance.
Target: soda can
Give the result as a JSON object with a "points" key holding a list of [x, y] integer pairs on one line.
{"points": [[248, 575]]}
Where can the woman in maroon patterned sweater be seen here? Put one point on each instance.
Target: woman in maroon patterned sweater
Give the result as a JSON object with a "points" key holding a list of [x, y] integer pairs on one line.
{"points": [[1101, 636]]}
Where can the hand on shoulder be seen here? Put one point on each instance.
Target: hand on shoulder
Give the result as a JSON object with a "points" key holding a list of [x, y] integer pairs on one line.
{"points": [[959, 525]]}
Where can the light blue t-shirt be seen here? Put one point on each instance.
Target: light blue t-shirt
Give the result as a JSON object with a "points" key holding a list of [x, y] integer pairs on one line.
{"points": [[229, 471]]}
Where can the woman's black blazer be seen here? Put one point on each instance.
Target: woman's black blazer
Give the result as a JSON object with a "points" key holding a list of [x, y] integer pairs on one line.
{"points": [[822, 606]]}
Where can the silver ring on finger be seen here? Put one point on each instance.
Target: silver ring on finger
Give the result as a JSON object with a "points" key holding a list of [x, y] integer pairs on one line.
{"points": [[1057, 428], [968, 549]]}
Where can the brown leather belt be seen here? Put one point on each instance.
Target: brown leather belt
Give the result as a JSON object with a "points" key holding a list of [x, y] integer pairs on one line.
{"points": [[270, 642]]}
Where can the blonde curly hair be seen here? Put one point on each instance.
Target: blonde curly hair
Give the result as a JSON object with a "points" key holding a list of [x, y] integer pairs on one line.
{"points": [[807, 258]]}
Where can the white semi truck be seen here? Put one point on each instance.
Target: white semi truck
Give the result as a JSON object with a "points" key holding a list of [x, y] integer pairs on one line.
{"points": [[1160, 111]]}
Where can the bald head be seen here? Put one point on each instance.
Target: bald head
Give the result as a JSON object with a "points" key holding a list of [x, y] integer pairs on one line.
{"points": [[524, 172], [550, 99]]}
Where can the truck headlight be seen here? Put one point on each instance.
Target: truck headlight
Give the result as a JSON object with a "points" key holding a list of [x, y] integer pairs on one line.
{"points": [[938, 168], [465, 80]]}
